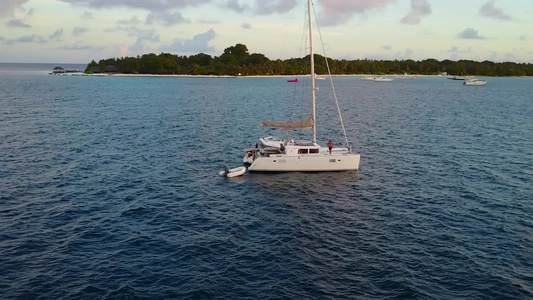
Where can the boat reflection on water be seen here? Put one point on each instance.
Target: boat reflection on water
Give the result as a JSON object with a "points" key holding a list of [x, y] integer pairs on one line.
{"points": [[301, 201], [299, 185]]}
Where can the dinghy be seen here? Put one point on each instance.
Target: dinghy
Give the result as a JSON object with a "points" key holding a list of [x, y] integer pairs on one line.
{"points": [[232, 172], [293, 80]]}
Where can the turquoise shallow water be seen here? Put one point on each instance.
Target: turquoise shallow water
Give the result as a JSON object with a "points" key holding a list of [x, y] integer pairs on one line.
{"points": [[109, 189]]}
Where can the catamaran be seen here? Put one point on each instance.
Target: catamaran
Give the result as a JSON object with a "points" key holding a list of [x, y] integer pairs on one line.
{"points": [[273, 154]]}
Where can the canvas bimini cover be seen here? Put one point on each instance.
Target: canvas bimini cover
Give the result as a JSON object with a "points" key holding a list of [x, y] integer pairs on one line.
{"points": [[307, 123]]}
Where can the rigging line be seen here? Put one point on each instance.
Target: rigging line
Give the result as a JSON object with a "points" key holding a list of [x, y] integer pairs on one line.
{"points": [[330, 78]]}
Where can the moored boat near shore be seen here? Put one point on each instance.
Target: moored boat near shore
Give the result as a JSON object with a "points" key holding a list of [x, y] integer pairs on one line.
{"points": [[474, 81], [383, 79]]}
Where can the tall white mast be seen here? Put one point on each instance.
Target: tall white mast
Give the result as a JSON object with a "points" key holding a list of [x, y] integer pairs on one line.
{"points": [[312, 57]]}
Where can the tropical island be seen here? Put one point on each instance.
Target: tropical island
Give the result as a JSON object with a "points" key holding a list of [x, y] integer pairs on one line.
{"points": [[237, 61]]}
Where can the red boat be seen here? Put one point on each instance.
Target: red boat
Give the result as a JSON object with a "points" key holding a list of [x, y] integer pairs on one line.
{"points": [[293, 80]]}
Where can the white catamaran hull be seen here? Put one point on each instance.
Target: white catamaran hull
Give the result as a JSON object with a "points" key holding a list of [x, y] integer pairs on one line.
{"points": [[273, 154], [303, 163]]}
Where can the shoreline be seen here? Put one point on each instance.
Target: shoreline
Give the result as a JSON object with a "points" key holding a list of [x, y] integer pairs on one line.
{"points": [[263, 76], [289, 76]]}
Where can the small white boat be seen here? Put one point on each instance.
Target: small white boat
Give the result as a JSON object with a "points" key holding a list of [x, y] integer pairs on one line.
{"points": [[232, 172], [381, 79], [405, 76], [474, 81], [318, 77], [370, 78]]}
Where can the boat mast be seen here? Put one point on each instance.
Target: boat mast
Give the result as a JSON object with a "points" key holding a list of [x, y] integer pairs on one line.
{"points": [[312, 57]]}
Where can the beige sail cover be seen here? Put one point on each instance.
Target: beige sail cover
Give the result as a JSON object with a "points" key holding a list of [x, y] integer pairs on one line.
{"points": [[308, 123]]}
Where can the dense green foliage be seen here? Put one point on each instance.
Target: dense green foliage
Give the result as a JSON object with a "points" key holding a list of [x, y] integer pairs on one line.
{"points": [[237, 60]]}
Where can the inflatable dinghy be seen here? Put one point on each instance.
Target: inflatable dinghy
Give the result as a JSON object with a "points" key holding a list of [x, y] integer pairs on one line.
{"points": [[232, 172]]}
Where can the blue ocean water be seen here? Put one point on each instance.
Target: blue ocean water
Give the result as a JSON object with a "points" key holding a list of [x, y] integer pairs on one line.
{"points": [[109, 190]]}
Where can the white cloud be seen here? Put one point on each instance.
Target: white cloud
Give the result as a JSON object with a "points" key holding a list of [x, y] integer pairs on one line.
{"points": [[488, 10], [470, 34], [78, 47], [166, 18], [143, 36], [199, 43], [133, 21], [338, 12], [152, 5], [456, 52], [25, 39], [236, 6], [8, 7], [17, 23], [87, 16], [56, 35], [419, 8], [274, 6], [246, 26], [77, 31]]}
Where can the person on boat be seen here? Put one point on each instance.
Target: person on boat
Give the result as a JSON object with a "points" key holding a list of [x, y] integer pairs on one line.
{"points": [[282, 149], [330, 146]]}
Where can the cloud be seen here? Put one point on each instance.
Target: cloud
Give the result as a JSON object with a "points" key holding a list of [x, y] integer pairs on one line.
{"points": [[208, 22], [408, 54], [455, 51], [166, 18], [386, 47], [25, 39], [274, 6], [78, 47], [522, 37], [30, 39], [77, 31], [143, 36], [419, 8], [507, 57], [152, 5], [339, 12], [199, 43], [8, 7], [236, 6], [246, 26], [87, 16], [488, 10], [56, 36], [17, 23], [133, 21], [470, 34]]}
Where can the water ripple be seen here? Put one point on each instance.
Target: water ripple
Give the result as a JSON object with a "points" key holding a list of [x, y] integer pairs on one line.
{"points": [[109, 189]]}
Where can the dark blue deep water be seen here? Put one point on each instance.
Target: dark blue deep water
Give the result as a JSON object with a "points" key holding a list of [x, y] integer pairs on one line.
{"points": [[109, 190]]}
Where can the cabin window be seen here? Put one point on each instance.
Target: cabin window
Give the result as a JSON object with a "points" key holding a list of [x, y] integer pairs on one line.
{"points": [[313, 150], [303, 151]]}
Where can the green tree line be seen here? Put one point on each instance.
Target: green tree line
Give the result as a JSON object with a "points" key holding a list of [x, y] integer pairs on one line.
{"points": [[236, 60]]}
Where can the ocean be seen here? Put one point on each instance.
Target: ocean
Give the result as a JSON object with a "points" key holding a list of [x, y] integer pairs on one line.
{"points": [[109, 190]]}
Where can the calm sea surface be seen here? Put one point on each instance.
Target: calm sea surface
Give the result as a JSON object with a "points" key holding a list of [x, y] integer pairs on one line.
{"points": [[109, 190]]}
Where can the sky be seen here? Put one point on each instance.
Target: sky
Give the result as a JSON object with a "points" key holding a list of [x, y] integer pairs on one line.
{"points": [[78, 31]]}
